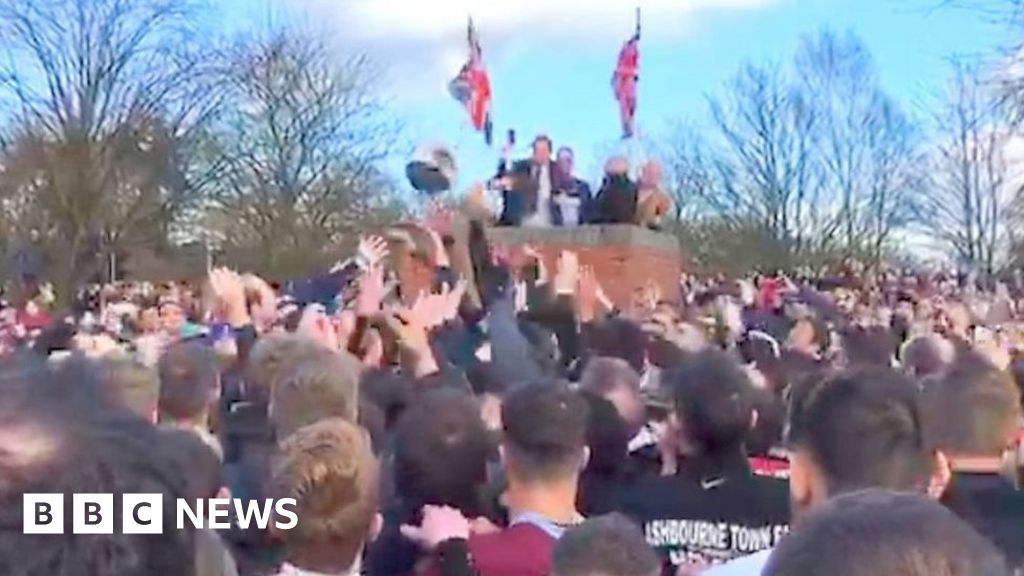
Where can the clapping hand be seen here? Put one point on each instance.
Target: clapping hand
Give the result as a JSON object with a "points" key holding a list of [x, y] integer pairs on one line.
{"points": [[372, 250], [228, 291]]}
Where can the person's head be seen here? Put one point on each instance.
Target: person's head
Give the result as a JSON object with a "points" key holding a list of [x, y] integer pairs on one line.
{"points": [[973, 411], [855, 430], [714, 403], [608, 441], [616, 166], [616, 381], [541, 149], [272, 356], [604, 546], [651, 174], [131, 384], [871, 346], [149, 320], [566, 160], [441, 452], [324, 384], [927, 356], [881, 532], [172, 317], [189, 383], [59, 435], [808, 335], [329, 469], [620, 338], [544, 435]]}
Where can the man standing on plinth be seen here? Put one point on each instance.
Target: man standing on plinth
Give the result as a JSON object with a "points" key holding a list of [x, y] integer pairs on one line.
{"points": [[528, 188]]}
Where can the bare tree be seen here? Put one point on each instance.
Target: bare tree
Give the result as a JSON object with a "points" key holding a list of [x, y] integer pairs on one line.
{"points": [[101, 95], [1006, 61], [897, 179], [974, 188], [812, 162], [764, 171], [865, 145], [296, 152]]}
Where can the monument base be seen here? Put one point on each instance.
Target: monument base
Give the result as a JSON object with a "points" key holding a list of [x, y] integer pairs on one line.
{"points": [[625, 258]]}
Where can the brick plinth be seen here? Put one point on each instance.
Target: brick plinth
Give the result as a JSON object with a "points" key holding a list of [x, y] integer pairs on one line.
{"points": [[624, 258]]}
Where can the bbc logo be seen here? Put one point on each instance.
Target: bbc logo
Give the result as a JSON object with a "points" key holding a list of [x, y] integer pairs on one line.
{"points": [[144, 513], [92, 514]]}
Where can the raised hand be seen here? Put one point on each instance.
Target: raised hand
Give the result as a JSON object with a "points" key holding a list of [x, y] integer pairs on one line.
{"points": [[587, 299], [409, 327], [315, 324], [441, 259], [440, 523], [229, 294], [264, 308], [567, 273], [371, 292], [453, 300], [532, 255], [371, 252]]}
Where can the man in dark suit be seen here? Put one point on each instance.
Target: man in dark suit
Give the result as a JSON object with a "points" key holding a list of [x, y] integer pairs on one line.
{"points": [[528, 187]]}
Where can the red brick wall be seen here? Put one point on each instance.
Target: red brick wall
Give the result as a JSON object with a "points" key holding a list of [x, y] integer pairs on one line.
{"points": [[623, 270], [624, 261]]}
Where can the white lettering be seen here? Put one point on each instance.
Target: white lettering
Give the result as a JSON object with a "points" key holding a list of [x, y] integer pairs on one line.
{"points": [[282, 510], [251, 509], [197, 518], [220, 510]]}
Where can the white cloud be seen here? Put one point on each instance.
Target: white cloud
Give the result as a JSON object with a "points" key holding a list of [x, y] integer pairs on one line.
{"points": [[422, 42], [437, 19]]}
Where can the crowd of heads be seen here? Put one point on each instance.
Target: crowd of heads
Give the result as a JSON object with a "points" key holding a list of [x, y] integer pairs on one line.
{"points": [[497, 423]]}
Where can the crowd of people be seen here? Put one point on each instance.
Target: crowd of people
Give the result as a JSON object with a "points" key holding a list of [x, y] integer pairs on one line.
{"points": [[512, 421]]}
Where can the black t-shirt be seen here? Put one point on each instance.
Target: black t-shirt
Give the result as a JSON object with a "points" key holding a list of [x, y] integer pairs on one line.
{"points": [[710, 518], [990, 504]]}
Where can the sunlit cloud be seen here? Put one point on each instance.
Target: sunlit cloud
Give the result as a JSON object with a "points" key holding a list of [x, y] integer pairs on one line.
{"points": [[422, 43]]}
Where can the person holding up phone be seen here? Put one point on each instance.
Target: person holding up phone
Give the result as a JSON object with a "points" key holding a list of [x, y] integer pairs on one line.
{"points": [[528, 187]]}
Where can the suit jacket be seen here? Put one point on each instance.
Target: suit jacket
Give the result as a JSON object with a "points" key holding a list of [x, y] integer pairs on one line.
{"points": [[522, 199]]}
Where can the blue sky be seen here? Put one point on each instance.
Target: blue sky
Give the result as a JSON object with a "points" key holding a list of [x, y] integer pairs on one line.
{"points": [[550, 61]]}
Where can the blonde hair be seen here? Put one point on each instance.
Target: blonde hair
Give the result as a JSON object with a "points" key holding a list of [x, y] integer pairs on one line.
{"points": [[329, 469]]}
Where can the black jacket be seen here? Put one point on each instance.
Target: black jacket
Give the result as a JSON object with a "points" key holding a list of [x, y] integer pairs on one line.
{"points": [[990, 504], [709, 513], [616, 201]]}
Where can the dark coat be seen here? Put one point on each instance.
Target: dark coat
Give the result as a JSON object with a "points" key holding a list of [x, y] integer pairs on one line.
{"points": [[616, 201], [522, 198]]}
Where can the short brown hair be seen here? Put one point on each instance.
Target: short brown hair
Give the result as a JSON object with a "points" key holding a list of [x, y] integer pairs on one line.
{"points": [[324, 384], [606, 545], [130, 384], [270, 357], [329, 469], [605, 374], [972, 411], [544, 427], [189, 381]]}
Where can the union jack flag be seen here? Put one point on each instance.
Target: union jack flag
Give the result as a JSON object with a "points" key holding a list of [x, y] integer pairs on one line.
{"points": [[472, 86], [624, 80]]}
